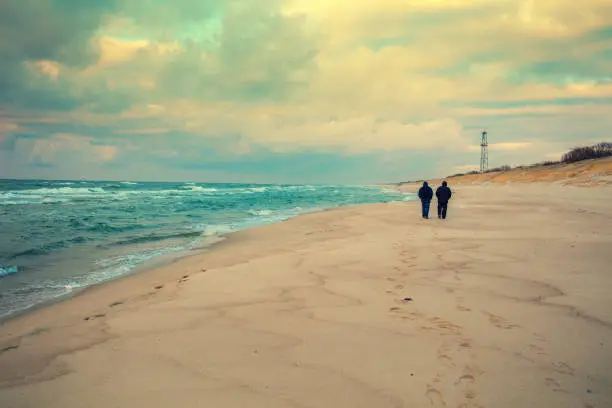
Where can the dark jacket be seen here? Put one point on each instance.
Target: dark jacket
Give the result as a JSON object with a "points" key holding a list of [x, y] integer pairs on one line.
{"points": [[444, 194], [425, 192]]}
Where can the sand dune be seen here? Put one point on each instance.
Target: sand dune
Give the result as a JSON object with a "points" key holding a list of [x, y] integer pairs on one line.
{"points": [[588, 173], [510, 307]]}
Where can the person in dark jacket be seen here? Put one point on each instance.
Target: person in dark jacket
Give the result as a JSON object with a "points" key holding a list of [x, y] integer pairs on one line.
{"points": [[425, 194], [443, 193]]}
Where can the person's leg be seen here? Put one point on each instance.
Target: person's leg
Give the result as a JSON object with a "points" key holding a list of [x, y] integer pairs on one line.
{"points": [[426, 208], [439, 209], [444, 209], [423, 208]]}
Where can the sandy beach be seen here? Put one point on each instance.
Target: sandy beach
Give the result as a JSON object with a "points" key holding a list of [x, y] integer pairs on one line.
{"points": [[510, 307]]}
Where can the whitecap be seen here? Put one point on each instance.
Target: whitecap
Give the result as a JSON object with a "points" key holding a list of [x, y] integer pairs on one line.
{"points": [[259, 189], [261, 212], [62, 191], [8, 270], [200, 189]]}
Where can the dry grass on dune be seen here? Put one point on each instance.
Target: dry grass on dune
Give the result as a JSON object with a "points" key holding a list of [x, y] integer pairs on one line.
{"points": [[583, 173], [587, 173]]}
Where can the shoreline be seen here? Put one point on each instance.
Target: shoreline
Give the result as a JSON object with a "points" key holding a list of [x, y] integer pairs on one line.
{"points": [[144, 267], [150, 276], [164, 260], [282, 310], [72, 260]]}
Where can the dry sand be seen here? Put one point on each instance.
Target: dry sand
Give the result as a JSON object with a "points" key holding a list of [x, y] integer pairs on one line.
{"points": [[511, 307]]}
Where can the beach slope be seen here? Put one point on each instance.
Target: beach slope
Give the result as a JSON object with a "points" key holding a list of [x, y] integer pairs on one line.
{"points": [[510, 307]]}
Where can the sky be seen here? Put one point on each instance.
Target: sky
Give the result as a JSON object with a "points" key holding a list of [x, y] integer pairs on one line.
{"points": [[297, 91]]}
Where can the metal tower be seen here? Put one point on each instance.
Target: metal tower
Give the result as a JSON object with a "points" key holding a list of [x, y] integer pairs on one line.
{"points": [[484, 153]]}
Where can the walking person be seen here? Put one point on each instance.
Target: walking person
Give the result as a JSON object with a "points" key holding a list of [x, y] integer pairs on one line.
{"points": [[425, 194], [443, 193]]}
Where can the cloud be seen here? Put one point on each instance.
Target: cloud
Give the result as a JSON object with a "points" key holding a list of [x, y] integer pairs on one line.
{"points": [[555, 156], [56, 149], [504, 146], [62, 34], [362, 134], [8, 142], [364, 82], [465, 168], [8, 138], [145, 131]]}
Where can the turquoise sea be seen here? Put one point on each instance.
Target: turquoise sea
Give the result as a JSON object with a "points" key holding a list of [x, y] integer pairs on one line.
{"points": [[59, 236]]}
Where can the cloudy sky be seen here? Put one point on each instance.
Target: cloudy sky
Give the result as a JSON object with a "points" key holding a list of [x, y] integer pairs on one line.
{"points": [[330, 91]]}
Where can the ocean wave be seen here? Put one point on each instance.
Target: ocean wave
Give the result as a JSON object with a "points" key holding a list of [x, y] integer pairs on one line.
{"points": [[200, 189], [118, 265], [28, 200], [21, 202], [112, 186], [8, 270], [261, 212], [258, 189], [216, 230], [55, 200], [62, 191], [107, 227], [26, 297], [129, 183], [107, 192], [387, 190], [153, 238], [49, 247]]}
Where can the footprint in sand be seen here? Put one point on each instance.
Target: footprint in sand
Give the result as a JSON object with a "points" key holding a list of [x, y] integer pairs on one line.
{"points": [[465, 344], [554, 385], [96, 316], [435, 397], [9, 348], [460, 305], [445, 326], [538, 350], [470, 394], [465, 379], [563, 368], [444, 356], [500, 322], [539, 337], [446, 360]]}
